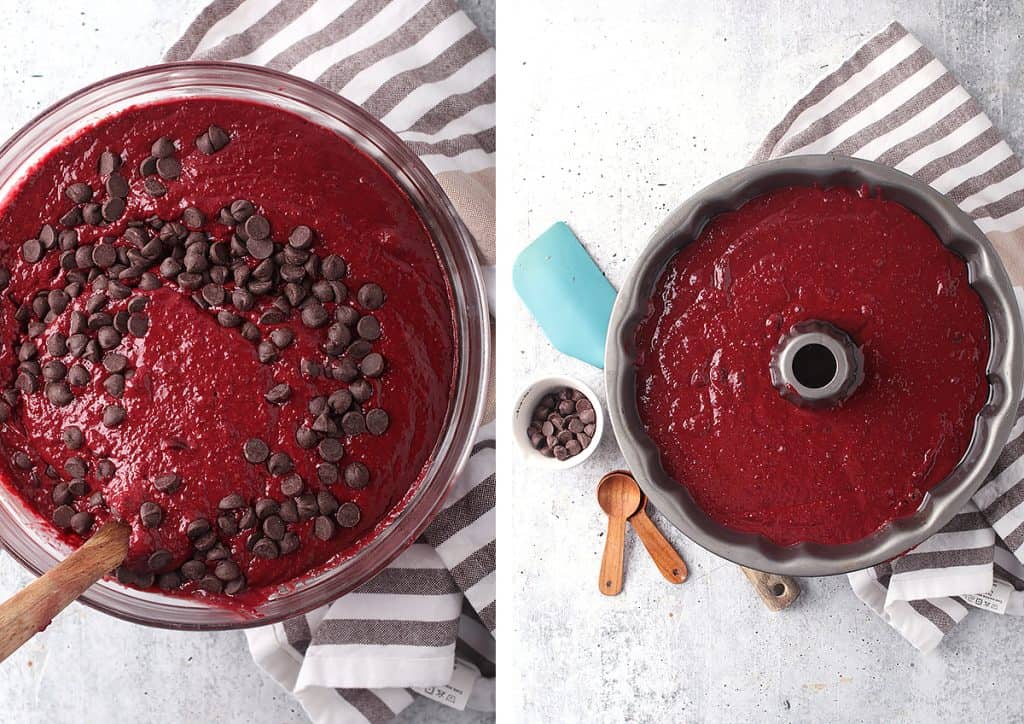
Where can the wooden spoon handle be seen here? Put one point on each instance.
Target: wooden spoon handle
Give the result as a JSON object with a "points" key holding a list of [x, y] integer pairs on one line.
{"points": [[610, 581], [665, 557], [30, 610], [777, 592]]}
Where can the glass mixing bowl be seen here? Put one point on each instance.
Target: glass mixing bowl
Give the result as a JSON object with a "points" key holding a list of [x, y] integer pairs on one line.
{"points": [[32, 542]]}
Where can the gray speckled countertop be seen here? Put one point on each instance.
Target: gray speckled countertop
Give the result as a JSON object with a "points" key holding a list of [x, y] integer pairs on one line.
{"points": [[88, 667], [610, 118]]}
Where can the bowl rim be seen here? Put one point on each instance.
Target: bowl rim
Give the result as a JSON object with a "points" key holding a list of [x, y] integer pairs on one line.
{"points": [[1005, 368], [456, 252]]}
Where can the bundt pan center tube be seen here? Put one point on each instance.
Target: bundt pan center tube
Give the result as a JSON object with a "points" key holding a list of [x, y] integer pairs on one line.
{"points": [[816, 365]]}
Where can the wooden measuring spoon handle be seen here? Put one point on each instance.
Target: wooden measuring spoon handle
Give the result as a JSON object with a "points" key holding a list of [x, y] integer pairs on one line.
{"points": [[777, 592], [30, 610], [610, 581], [665, 557]]}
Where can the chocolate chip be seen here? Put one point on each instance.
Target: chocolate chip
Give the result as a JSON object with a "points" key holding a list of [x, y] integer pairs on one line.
{"points": [[327, 503], [282, 337], [73, 217], [227, 571], [62, 516], [258, 228], [56, 345], [81, 522], [279, 394], [231, 501], [113, 415], [74, 466], [333, 267], [291, 485], [61, 495], [274, 528], [211, 584], [359, 349], [114, 385], [370, 296], [32, 251], [302, 237], [105, 469], [368, 328], [108, 337], [279, 464], [5, 411], [193, 218], [241, 209], [289, 544], [114, 362], [353, 423], [266, 549], [323, 528], [255, 451], [117, 186], [154, 187], [305, 437], [361, 390], [267, 353], [108, 163], [26, 383], [150, 514], [138, 324], [58, 393], [219, 138], [79, 193], [357, 475], [340, 400], [205, 542], [327, 473], [73, 437], [306, 506], [259, 248], [348, 515], [113, 208], [331, 450], [169, 483], [169, 581], [372, 365], [204, 144], [314, 315], [78, 487], [377, 421], [193, 570], [197, 529]]}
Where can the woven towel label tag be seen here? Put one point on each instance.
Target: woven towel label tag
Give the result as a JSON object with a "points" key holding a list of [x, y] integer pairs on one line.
{"points": [[995, 600], [456, 692]]}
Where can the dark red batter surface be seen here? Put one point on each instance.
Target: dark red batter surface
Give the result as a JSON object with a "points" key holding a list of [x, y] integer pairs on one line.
{"points": [[758, 463], [198, 389]]}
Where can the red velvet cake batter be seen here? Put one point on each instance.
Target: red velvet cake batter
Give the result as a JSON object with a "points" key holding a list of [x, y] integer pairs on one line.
{"points": [[758, 463], [250, 424]]}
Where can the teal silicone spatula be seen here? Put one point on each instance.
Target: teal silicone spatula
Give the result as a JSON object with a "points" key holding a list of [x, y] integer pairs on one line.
{"points": [[566, 292]]}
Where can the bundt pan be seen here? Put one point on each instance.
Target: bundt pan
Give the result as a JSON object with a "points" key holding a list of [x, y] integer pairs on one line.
{"points": [[992, 427]]}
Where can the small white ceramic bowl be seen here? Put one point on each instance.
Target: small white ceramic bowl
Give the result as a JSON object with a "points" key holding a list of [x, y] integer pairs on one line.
{"points": [[523, 414]]}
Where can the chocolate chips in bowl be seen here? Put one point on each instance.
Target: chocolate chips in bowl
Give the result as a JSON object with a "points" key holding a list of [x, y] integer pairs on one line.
{"points": [[216, 345], [558, 422]]}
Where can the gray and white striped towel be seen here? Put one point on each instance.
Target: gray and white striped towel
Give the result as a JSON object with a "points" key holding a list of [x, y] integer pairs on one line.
{"points": [[424, 69], [895, 103]]}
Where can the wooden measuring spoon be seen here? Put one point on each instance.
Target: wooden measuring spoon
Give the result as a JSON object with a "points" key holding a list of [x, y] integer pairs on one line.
{"points": [[29, 611], [665, 557], [777, 592], [619, 497]]}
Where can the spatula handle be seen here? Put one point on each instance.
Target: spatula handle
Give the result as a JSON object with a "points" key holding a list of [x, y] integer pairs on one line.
{"points": [[610, 581], [665, 557], [777, 592], [30, 610]]}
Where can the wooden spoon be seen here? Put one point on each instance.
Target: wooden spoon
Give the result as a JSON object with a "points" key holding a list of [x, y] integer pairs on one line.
{"points": [[665, 557], [30, 610], [777, 592], [619, 497]]}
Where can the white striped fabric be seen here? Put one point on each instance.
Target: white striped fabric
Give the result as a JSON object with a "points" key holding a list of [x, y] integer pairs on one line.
{"points": [[895, 103], [424, 69]]}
